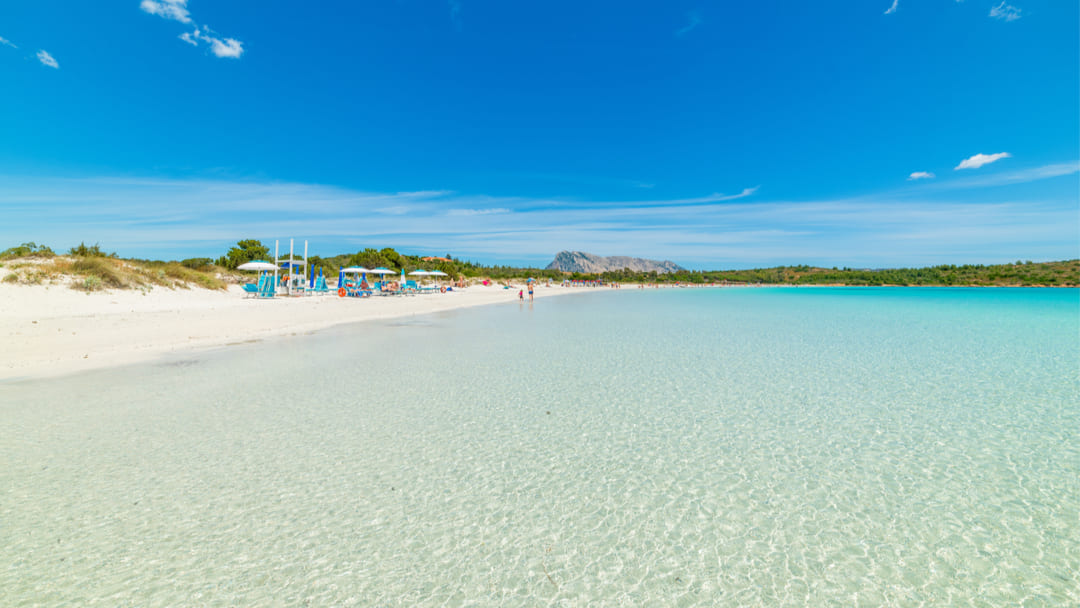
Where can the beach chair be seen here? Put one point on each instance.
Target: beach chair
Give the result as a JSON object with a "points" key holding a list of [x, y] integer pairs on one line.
{"points": [[356, 289], [267, 287], [251, 290], [320, 285]]}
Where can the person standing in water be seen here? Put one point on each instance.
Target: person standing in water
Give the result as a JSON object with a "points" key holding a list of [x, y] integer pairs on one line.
{"points": [[521, 295], [530, 291]]}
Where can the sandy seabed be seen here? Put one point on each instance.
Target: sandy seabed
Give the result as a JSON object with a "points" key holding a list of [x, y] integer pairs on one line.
{"points": [[54, 330]]}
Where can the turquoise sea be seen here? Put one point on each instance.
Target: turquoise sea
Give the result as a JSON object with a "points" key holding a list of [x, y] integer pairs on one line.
{"points": [[694, 447]]}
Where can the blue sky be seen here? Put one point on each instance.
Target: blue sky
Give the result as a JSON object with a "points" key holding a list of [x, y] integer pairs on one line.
{"points": [[714, 134]]}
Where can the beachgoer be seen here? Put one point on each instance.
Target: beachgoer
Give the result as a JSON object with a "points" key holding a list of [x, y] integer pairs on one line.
{"points": [[521, 295], [530, 292]]}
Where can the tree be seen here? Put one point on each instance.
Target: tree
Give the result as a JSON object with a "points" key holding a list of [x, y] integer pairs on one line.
{"points": [[245, 251], [369, 258]]}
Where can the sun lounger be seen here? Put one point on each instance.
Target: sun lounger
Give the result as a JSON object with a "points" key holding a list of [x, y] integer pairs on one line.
{"points": [[267, 287]]}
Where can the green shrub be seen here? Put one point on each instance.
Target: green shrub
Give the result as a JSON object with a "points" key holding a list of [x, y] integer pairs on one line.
{"points": [[92, 283], [196, 263], [27, 250], [11, 278], [93, 251], [104, 269]]}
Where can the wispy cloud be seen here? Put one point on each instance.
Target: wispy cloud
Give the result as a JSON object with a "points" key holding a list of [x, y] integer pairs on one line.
{"points": [[46, 59], [6, 42], [981, 159], [455, 13], [176, 10], [471, 212], [921, 175], [1016, 177], [1006, 12], [892, 9], [169, 9], [693, 20], [186, 218]]}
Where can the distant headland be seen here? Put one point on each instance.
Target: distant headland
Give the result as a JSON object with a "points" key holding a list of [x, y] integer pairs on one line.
{"points": [[587, 263]]}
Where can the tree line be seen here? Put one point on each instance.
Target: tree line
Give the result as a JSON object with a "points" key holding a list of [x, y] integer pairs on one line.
{"points": [[1020, 273]]}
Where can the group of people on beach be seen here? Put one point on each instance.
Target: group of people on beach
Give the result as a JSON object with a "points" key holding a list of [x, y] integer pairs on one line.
{"points": [[521, 292]]}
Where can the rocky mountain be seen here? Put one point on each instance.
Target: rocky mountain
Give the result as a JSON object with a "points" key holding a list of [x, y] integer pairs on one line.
{"points": [[578, 261]]}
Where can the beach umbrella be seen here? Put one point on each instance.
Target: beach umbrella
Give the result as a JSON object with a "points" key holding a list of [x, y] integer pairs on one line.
{"points": [[256, 265], [381, 271], [358, 270]]}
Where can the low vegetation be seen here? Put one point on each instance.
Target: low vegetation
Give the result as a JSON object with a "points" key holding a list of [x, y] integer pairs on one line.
{"points": [[27, 250], [90, 268], [97, 270], [1018, 274]]}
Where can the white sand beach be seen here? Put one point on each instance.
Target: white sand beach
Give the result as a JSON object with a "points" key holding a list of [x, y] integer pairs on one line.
{"points": [[54, 330]]}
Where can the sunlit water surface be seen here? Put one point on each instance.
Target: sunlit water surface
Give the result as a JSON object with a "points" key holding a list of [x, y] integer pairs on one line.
{"points": [[736, 447]]}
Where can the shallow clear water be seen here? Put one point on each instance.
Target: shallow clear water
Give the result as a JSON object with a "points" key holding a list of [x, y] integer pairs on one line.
{"points": [[741, 447]]}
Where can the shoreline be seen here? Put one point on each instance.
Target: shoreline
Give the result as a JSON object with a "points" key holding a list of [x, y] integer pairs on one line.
{"points": [[55, 331]]}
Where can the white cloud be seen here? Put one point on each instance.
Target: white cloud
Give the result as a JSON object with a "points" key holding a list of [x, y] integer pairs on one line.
{"points": [[229, 47], [892, 9], [981, 159], [921, 175], [6, 42], [694, 21], [46, 59], [1005, 11], [169, 9], [177, 11]]}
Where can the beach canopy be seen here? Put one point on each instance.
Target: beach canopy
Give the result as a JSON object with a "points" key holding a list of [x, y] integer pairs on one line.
{"points": [[438, 273], [285, 263], [256, 265], [381, 270], [419, 273], [359, 269]]}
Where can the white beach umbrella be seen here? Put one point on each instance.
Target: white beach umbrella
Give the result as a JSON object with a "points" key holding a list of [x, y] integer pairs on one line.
{"points": [[437, 274], [356, 269], [381, 271], [257, 265]]}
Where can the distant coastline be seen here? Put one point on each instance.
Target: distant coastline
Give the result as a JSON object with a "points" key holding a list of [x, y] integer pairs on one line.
{"points": [[89, 268]]}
